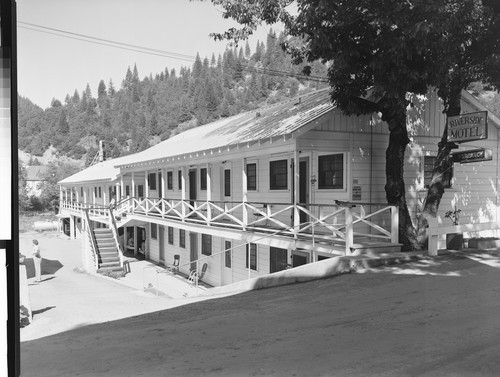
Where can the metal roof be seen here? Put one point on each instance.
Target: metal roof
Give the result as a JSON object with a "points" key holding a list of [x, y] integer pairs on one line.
{"points": [[263, 123]]}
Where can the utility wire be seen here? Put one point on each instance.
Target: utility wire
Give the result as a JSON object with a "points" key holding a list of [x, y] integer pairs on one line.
{"points": [[157, 52]]}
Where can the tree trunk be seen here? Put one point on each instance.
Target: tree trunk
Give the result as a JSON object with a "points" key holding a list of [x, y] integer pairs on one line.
{"points": [[443, 163], [395, 188]]}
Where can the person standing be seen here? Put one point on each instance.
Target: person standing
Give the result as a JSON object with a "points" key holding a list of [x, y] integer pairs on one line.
{"points": [[37, 259]]}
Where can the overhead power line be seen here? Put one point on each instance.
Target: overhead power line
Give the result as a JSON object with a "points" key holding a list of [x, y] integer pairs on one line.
{"points": [[157, 52]]}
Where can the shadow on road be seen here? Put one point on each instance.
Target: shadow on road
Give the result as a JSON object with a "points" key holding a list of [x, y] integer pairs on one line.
{"points": [[49, 267]]}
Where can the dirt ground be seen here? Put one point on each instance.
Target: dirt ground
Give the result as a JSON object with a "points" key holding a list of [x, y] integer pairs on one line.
{"points": [[428, 318]]}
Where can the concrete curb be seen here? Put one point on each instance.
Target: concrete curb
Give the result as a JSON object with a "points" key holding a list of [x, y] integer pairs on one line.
{"points": [[315, 271]]}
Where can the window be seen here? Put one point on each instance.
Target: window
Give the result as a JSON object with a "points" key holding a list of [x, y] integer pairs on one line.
{"points": [[100, 192], [127, 190], [429, 162], [170, 235], [170, 180], [140, 191], [95, 191], [179, 179], [252, 176], [278, 175], [152, 181], [182, 238], [227, 247], [81, 192], [227, 182], [154, 232], [277, 259], [206, 244], [203, 178], [253, 256], [331, 171]]}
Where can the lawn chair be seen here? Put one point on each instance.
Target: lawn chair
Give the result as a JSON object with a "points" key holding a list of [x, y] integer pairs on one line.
{"points": [[175, 266], [194, 277]]}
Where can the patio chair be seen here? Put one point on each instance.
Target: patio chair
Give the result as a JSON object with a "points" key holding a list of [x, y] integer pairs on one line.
{"points": [[175, 266], [194, 277]]}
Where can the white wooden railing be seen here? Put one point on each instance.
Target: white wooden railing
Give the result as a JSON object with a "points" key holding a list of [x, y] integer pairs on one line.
{"points": [[336, 223], [435, 231]]}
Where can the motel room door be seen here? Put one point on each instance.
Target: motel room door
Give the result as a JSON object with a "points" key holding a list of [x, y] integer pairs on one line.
{"points": [[193, 249], [227, 263], [303, 187]]}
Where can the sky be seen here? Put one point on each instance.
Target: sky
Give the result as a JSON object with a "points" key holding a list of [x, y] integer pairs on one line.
{"points": [[52, 66]]}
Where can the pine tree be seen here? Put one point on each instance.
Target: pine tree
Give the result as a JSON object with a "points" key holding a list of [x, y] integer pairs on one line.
{"points": [[101, 89], [197, 67]]}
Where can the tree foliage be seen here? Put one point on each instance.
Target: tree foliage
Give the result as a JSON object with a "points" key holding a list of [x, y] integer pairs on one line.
{"points": [[378, 51], [142, 112]]}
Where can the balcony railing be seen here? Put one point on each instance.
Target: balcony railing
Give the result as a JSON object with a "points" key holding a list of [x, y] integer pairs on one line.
{"points": [[334, 223]]}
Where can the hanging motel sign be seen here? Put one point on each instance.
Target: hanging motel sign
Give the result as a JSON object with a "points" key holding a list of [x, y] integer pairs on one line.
{"points": [[468, 127]]}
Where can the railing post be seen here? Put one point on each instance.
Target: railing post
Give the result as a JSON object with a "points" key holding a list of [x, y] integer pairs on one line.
{"points": [[433, 237], [394, 224], [349, 231]]}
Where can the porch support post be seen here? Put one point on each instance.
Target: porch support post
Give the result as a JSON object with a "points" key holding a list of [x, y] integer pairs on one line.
{"points": [[72, 227], [296, 212], [104, 196], [77, 194], [85, 196], [135, 241], [209, 193], [146, 189], [133, 185], [162, 181], [60, 194], [394, 224], [244, 186], [349, 231], [183, 191], [94, 189], [122, 188]]}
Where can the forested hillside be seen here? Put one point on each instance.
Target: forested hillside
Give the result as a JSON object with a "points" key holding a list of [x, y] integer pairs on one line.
{"points": [[142, 112]]}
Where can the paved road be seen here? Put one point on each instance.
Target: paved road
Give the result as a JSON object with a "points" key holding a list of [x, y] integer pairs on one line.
{"points": [[428, 318]]}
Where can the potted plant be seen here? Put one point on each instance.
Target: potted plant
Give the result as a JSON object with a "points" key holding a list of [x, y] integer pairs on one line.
{"points": [[454, 241]]}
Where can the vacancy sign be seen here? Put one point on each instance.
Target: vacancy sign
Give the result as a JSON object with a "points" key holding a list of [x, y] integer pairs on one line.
{"points": [[468, 127]]}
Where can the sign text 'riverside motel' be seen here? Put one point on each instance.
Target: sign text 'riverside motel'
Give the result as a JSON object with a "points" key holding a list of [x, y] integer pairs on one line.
{"points": [[468, 127]]}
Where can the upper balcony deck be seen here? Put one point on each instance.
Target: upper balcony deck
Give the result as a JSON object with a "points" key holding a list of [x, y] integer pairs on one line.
{"points": [[332, 227]]}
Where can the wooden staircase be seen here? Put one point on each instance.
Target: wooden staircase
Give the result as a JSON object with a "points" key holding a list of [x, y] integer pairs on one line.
{"points": [[108, 254]]}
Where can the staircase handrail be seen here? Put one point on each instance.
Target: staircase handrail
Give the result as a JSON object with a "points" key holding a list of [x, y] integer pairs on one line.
{"points": [[114, 231], [93, 242]]}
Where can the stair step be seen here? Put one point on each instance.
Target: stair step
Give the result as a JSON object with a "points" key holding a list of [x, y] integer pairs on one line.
{"points": [[102, 270], [109, 264], [376, 248]]}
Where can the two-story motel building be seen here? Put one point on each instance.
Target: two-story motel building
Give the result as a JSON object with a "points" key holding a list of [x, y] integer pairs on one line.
{"points": [[271, 189]]}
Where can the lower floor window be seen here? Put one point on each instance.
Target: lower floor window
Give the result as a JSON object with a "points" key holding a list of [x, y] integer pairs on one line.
{"points": [[251, 256], [227, 247], [206, 244]]}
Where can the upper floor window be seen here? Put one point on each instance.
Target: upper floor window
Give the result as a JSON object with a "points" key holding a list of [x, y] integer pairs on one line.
{"points": [[331, 171], [127, 190], [152, 181], [179, 179], [100, 192], [429, 162], [278, 175], [170, 180], [227, 182], [140, 191], [252, 176], [203, 178]]}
